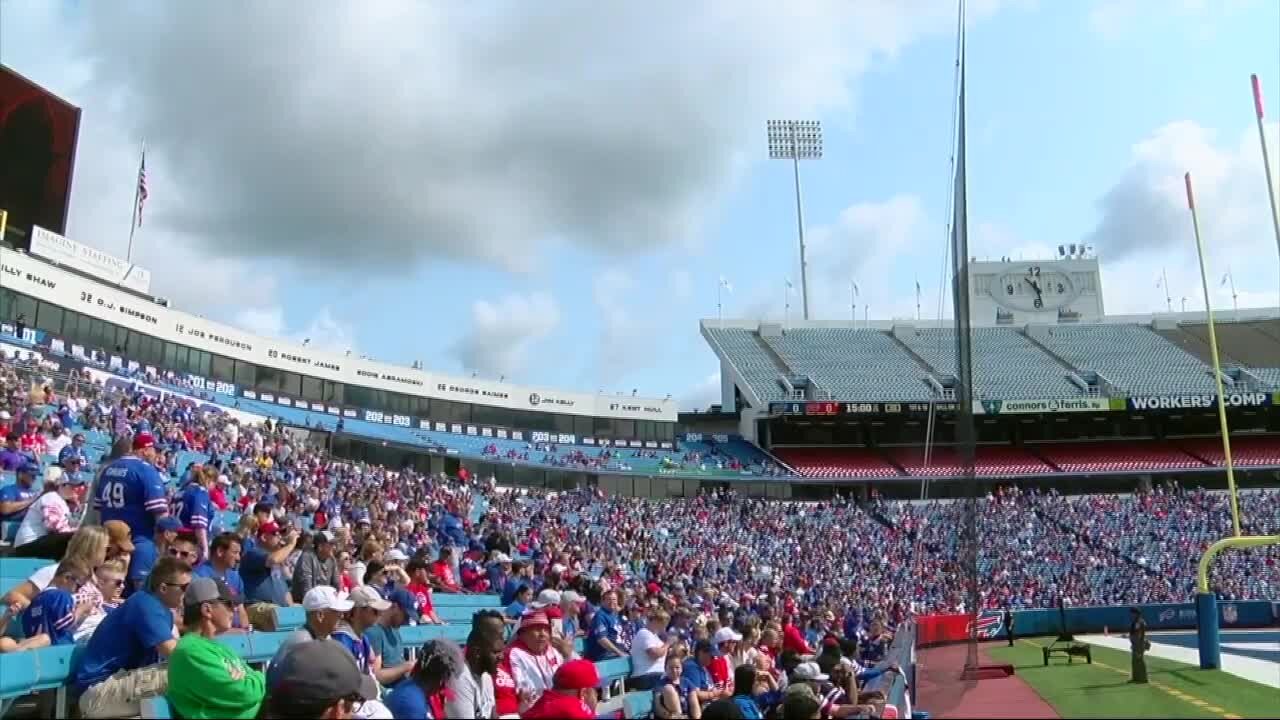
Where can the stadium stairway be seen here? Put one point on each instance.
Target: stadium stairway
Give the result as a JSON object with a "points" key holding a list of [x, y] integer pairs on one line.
{"points": [[1052, 519]]}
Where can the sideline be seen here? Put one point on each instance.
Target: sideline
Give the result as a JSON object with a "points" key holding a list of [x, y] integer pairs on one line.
{"points": [[1172, 692], [1252, 669]]}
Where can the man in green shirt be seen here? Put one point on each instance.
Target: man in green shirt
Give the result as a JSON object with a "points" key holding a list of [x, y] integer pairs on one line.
{"points": [[207, 679]]}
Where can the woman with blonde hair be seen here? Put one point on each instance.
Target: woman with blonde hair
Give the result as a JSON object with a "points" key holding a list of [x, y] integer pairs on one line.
{"points": [[87, 548]]}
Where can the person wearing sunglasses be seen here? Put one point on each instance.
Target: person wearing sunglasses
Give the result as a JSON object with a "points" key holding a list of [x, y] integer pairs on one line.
{"points": [[101, 596], [206, 678], [185, 546], [52, 616], [121, 665]]}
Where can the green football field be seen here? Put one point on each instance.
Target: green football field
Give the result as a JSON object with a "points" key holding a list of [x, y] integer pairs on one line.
{"points": [[1102, 689]]}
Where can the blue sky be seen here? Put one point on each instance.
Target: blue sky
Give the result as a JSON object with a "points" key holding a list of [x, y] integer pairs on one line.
{"points": [[552, 196]]}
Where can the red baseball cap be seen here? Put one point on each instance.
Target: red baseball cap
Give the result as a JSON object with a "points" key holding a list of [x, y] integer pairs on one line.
{"points": [[533, 619], [577, 675], [267, 528], [143, 440]]}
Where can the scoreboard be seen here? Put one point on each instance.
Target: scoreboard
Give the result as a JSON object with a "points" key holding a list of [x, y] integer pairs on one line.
{"points": [[828, 408]]}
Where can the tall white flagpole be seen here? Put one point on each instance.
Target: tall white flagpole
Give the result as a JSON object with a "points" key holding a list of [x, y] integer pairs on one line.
{"points": [[1266, 159]]}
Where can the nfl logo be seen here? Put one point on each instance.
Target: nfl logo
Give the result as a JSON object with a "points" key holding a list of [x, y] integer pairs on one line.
{"points": [[1229, 614]]}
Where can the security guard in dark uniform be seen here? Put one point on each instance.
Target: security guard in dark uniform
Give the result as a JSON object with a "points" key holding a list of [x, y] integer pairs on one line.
{"points": [[1008, 625], [1138, 646]]}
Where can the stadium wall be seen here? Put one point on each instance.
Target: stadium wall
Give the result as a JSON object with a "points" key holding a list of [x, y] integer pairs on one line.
{"points": [[943, 629]]}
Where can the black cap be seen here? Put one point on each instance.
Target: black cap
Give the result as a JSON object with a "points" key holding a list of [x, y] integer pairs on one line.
{"points": [[319, 671], [703, 646]]}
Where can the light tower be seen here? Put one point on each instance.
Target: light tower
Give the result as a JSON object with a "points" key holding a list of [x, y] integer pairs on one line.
{"points": [[797, 140]]}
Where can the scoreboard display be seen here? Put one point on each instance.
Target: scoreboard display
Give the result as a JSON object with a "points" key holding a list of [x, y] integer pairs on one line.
{"points": [[829, 408]]}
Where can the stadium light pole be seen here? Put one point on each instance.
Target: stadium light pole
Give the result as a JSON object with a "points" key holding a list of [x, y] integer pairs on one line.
{"points": [[797, 140]]}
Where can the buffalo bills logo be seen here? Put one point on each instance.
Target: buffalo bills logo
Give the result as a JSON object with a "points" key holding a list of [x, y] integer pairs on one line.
{"points": [[989, 624]]}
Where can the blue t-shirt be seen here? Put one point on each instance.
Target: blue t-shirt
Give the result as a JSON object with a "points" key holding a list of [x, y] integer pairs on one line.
{"points": [[193, 508], [407, 700], [514, 610], [262, 582], [694, 677], [604, 626], [509, 590], [358, 646], [69, 452], [14, 493], [53, 612], [385, 643], [11, 460], [132, 491], [126, 639]]}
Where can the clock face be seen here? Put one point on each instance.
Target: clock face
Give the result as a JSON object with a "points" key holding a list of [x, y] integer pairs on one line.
{"points": [[1034, 288]]}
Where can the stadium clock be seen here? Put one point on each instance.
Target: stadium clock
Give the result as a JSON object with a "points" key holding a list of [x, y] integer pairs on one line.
{"points": [[1034, 288]]}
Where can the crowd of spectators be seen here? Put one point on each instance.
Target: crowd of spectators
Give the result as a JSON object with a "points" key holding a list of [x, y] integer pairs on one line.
{"points": [[200, 525]]}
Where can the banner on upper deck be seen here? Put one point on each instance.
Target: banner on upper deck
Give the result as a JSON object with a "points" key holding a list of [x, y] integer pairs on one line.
{"points": [[1202, 402]]}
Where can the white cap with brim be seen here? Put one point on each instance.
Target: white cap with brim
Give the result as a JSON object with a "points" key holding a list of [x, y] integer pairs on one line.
{"points": [[323, 597], [365, 596]]}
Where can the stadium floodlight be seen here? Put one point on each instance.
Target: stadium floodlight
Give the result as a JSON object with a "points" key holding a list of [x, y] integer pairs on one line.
{"points": [[797, 140]]}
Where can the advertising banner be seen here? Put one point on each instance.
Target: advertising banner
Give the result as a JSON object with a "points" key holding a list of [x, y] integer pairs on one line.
{"points": [[942, 629], [1201, 402], [1059, 405], [104, 266]]}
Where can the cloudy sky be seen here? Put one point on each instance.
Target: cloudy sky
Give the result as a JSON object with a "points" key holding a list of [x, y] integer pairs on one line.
{"points": [[552, 194]]}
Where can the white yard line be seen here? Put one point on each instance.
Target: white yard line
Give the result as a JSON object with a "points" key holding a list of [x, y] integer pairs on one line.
{"points": [[1259, 671]]}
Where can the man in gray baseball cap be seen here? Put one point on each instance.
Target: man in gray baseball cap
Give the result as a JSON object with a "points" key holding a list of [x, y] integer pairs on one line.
{"points": [[318, 678]]}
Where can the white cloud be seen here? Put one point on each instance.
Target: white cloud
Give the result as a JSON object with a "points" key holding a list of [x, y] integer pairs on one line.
{"points": [[322, 331], [428, 129], [502, 332], [1145, 226], [699, 396], [883, 247]]}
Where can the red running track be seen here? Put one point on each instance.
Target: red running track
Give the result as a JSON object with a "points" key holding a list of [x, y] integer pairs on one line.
{"points": [[942, 692]]}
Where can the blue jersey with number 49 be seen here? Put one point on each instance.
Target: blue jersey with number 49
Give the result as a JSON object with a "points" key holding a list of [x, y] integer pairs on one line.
{"points": [[132, 491]]}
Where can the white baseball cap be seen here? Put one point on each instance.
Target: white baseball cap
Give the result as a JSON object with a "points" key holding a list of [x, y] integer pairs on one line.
{"points": [[396, 555], [323, 597], [365, 596], [547, 598], [809, 671], [724, 635]]}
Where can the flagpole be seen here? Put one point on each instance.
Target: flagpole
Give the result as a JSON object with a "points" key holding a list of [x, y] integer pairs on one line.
{"points": [[720, 302], [137, 193], [917, 301], [1235, 306], [1217, 366], [1168, 299], [1266, 158]]}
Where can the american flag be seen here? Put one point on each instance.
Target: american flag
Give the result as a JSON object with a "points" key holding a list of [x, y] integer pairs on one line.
{"points": [[142, 186]]}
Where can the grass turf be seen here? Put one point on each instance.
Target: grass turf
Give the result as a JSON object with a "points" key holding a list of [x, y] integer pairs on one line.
{"points": [[1102, 689]]}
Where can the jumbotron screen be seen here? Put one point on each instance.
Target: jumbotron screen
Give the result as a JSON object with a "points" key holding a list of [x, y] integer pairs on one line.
{"points": [[38, 134]]}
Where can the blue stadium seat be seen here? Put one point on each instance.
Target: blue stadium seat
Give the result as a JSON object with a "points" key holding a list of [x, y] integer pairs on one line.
{"points": [[614, 669], [636, 705], [156, 709], [476, 602]]}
